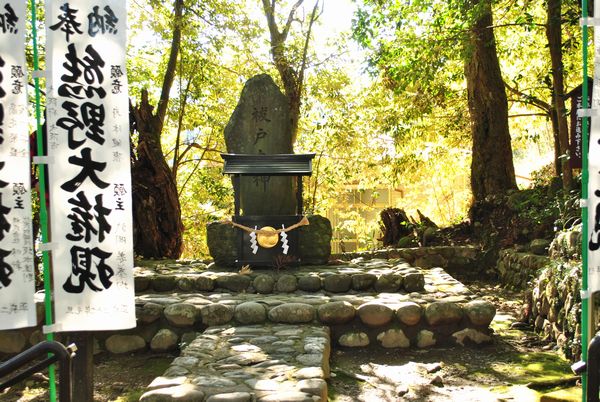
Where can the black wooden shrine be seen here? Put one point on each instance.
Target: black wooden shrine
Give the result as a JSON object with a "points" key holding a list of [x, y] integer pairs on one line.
{"points": [[238, 165]]}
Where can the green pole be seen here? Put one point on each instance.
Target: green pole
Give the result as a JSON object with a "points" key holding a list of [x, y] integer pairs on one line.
{"points": [[42, 193], [585, 299]]}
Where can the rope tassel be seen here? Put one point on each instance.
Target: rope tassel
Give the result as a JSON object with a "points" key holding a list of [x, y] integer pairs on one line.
{"points": [[284, 240], [253, 242]]}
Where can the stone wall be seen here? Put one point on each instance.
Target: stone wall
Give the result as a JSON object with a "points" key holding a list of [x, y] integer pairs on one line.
{"points": [[454, 259], [516, 270], [567, 244], [165, 322], [551, 289], [553, 306]]}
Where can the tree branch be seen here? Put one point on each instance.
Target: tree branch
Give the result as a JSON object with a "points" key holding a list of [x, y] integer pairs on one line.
{"points": [[313, 18], [290, 19], [163, 103], [530, 99]]}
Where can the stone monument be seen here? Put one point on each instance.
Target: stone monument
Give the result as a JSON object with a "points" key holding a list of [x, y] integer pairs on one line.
{"points": [[261, 124]]}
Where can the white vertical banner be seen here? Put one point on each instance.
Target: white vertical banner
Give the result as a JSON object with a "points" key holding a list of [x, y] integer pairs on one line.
{"points": [[89, 170], [17, 278], [593, 240]]}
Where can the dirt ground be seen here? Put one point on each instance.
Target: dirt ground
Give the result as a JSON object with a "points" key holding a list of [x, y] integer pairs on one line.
{"points": [[497, 372]]}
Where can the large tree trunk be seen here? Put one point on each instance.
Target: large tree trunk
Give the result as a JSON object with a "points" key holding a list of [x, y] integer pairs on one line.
{"points": [[158, 229], [553, 33], [492, 169], [157, 221]]}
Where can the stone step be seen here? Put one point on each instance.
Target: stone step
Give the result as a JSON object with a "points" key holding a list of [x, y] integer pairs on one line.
{"points": [[572, 394], [395, 320], [269, 362], [443, 312], [358, 276]]}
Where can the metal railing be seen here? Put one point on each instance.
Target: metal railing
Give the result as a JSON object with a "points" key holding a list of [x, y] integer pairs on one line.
{"points": [[592, 368], [59, 352]]}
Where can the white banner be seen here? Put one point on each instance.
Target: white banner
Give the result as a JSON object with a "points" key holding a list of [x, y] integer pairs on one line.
{"points": [[89, 171], [593, 241], [17, 278]]}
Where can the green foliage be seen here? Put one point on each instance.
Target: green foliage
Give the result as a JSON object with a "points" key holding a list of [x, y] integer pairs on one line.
{"points": [[403, 128]]}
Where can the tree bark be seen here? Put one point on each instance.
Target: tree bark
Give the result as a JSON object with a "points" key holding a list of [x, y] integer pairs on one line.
{"points": [[492, 169], [158, 229], [553, 33]]}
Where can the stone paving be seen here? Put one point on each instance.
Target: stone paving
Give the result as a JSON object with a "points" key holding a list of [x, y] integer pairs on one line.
{"points": [[271, 362]]}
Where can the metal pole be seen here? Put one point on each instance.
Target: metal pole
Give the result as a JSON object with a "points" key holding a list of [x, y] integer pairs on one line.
{"points": [[42, 194], [585, 307]]}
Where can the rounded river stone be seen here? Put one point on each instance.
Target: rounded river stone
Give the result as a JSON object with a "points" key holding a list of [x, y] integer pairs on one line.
{"points": [[250, 313], [438, 313], [337, 283], [480, 312], [292, 313], [375, 314], [339, 312], [409, 313], [263, 283], [181, 314], [309, 283]]}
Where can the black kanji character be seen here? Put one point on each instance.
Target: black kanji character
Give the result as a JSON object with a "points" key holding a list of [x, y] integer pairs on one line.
{"points": [[93, 117], [4, 224], [83, 260], [260, 135], [260, 114], [2, 93], [67, 21], [91, 64], [116, 71], [88, 171], [8, 20], [82, 224], [5, 269], [71, 123], [19, 189], [16, 72], [102, 23], [2, 183], [117, 86]]}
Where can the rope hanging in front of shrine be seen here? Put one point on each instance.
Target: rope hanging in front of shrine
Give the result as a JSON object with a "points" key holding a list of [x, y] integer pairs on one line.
{"points": [[268, 236]]}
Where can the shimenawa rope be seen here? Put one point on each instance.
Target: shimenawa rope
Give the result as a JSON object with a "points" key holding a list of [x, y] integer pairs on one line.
{"points": [[303, 222]]}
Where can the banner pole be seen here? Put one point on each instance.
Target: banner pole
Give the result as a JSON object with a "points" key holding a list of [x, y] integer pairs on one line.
{"points": [[42, 194], [585, 299]]}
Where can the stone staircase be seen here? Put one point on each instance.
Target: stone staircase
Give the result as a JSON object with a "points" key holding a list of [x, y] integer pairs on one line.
{"points": [[267, 335]]}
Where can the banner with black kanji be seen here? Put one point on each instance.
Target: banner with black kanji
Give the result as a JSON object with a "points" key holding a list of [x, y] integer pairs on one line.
{"points": [[17, 278], [89, 166], [592, 243]]}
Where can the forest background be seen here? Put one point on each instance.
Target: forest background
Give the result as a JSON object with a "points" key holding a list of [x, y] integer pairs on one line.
{"points": [[386, 96]]}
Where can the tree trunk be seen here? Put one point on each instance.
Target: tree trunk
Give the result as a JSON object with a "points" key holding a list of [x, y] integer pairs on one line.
{"points": [[158, 229], [492, 169], [556, 137], [553, 33]]}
